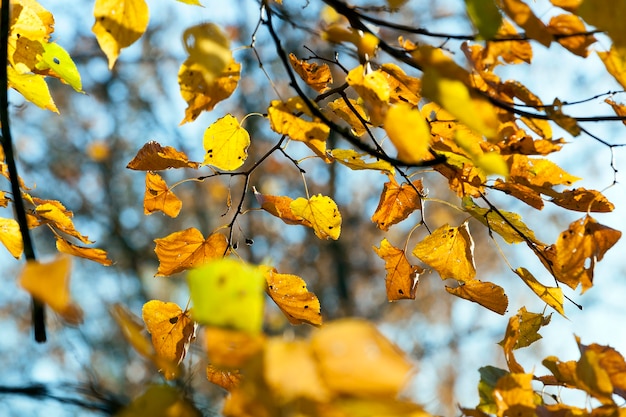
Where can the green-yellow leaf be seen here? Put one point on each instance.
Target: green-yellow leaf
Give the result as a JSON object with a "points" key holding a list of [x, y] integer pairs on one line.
{"points": [[226, 144], [485, 16], [192, 2], [606, 15], [408, 131], [57, 59], [33, 87], [322, 213], [228, 293], [119, 23]]}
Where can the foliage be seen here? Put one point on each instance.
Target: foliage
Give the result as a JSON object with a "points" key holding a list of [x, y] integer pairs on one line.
{"points": [[485, 137]]}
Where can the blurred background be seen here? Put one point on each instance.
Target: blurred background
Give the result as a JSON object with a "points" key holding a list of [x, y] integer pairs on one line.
{"points": [[80, 157]]}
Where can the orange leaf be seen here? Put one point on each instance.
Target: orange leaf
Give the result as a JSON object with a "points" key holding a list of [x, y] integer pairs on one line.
{"points": [[316, 76], [50, 283], [290, 294], [11, 237], [171, 328], [585, 239], [153, 157], [159, 197], [397, 203], [581, 199], [402, 277], [619, 109], [280, 206], [511, 337], [615, 64], [568, 24], [523, 16], [486, 294], [93, 254], [355, 359], [593, 378], [322, 214], [450, 251], [227, 379], [187, 249], [54, 213]]}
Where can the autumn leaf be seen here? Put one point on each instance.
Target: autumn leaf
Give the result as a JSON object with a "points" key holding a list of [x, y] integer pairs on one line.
{"points": [[54, 213], [290, 294], [581, 199], [566, 122], [154, 157], [280, 206], [159, 197], [509, 52], [612, 362], [188, 249], [402, 277], [33, 87], [397, 202], [225, 378], [315, 76], [358, 161], [486, 294], [226, 144], [160, 400], [56, 62], [593, 378], [604, 15], [355, 359], [619, 109], [403, 87], [11, 237], [322, 213], [93, 254], [192, 2], [485, 16], [511, 337], [356, 118], [229, 349], [514, 395], [374, 89], [553, 296], [31, 26], [569, 24], [523, 16], [171, 328], [615, 62], [449, 251], [409, 133], [529, 326], [578, 249], [119, 23], [227, 293], [50, 283]]}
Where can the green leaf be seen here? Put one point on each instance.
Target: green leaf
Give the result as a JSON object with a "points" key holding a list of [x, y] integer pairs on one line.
{"points": [[485, 16], [229, 294], [58, 60]]}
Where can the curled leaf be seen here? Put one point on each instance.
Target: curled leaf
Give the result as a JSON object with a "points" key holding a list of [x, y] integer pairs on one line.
{"points": [[170, 327], [154, 157], [290, 294], [159, 197], [402, 277], [487, 294]]}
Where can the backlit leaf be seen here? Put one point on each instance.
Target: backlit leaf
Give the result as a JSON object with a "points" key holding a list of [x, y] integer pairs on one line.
{"points": [[170, 327], [529, 326], [31, 26], [409, 133], [290, 294], [402, 277], [485, 16], [567, 24], [192, 2], [566, 122], [227, 293], [581, 199], [316, 76], [595, 379], [509, 52], [355, 359], [615, 63], [11, 237], [33, 87], [280, 206], [511, 338], [160, 401], [285, 118], [403, 87], [612, 362], [93, 254], [159, 197], [154, 157], [397, 202], [341, 109], [553, 296], [514, 395], [357, 161], [374, 89], [188, 249], [578, 249], [226, 144], [54, 213], [119, 23], [619, 109], [449, 251], [524, 17], [225, 378], [55, 61], [322, 213], [50, 283], [486, 294]]}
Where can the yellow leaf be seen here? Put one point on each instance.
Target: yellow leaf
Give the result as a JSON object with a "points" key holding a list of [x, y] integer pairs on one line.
{"points": [[33, 87], [227, 293], [511, 52], [119, 23], [322, 213], [171, 328], [581, 199], [192, 2], [514, 395], [612, 362], [160, 401], [538, 173], [449, 251], [594, 378], [226, 144], [154, 157], [202, 95], [54, 213], [345, 113], [526, 332], [615, 63], [56, 62], [402, 277], [31, 26], [569, 5], [357, 161], [486, 294], [553, 296], [403, 88], [568, 24], [374, 89], [225, 378], [355, 359], [290, 294], [159, 197], [397, 202], [11, 237], [93, 254], [523, 16], [409, 133], [316, 76], [188, 249], [280, 206], [284, 120], [578, 249], [50, 283]]}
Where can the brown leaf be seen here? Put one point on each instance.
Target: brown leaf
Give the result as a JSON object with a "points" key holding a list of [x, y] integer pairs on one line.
{"points": [[486, 294], [523, 16], [159, 197], [316, 76], [397, 202], [402, 277], [188, 249], [290, 294], [154, 157], [581, 199], [93, 254], [225, 378]]}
